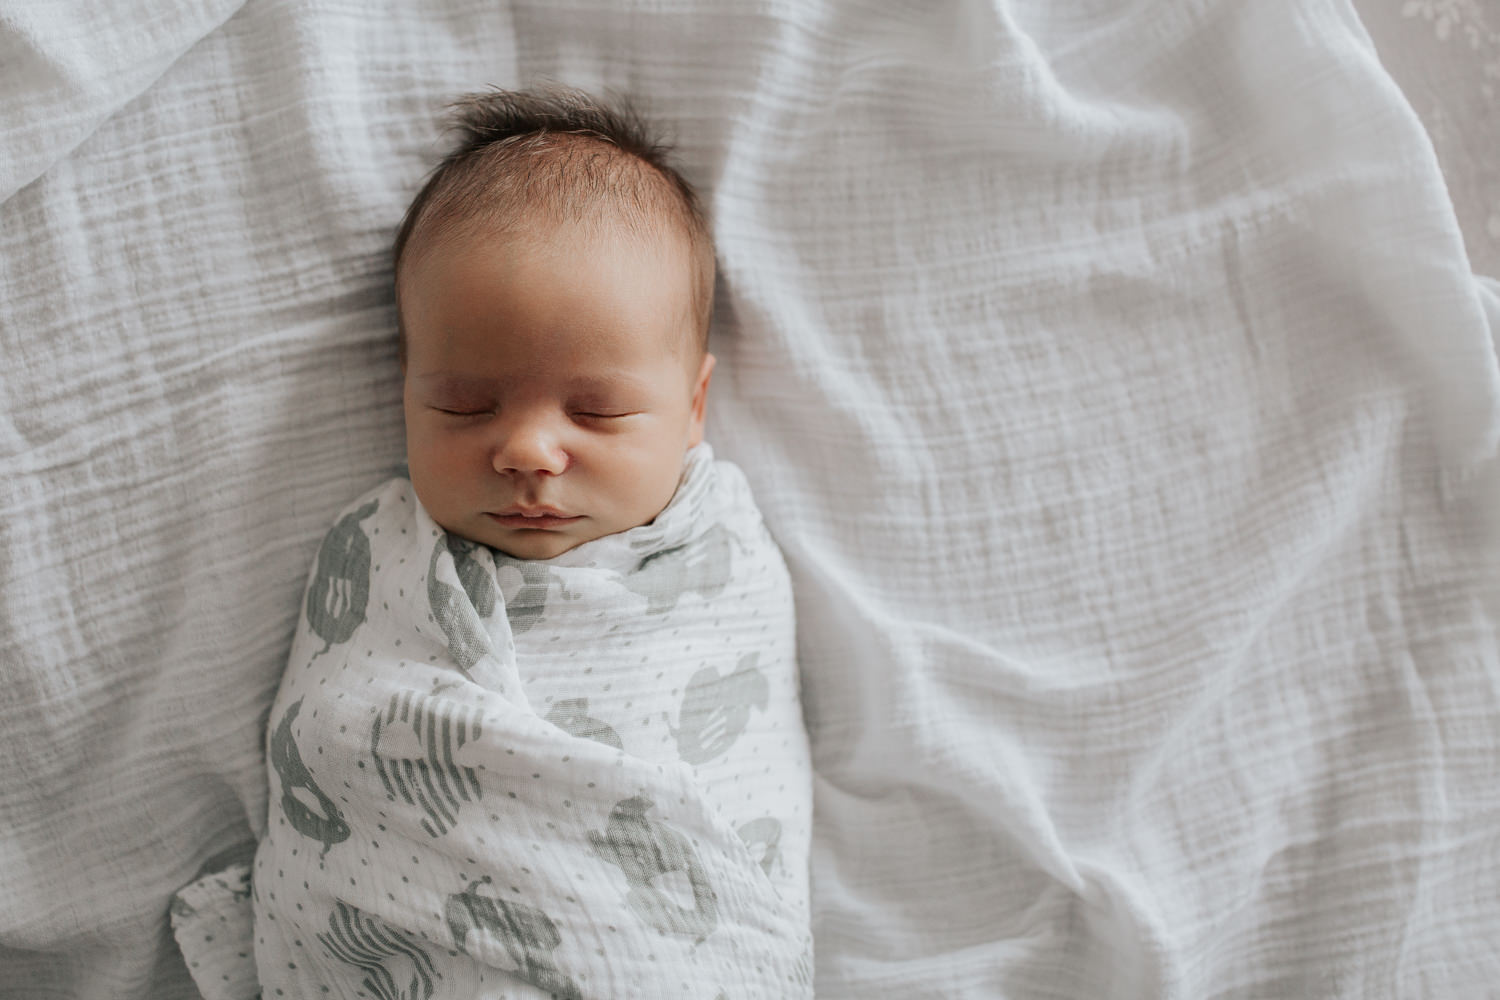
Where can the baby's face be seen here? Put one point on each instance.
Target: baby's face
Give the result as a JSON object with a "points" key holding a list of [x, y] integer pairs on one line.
{"points": [[552, 387]]}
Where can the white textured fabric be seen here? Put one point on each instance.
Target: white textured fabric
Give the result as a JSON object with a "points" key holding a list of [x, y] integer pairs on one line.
{"points": [[1110, 374], [492, 776], [213, 924], [1445, 54]]}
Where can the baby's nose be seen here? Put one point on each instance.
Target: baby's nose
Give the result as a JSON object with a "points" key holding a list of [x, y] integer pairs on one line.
{"points": [[530, 445]]}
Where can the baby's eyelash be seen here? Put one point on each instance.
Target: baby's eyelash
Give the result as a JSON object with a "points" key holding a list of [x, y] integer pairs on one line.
{"points": [[600, 415], [580, 414]]}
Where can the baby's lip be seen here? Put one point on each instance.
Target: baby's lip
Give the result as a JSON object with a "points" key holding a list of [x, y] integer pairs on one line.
{"points": [[537, 512]]}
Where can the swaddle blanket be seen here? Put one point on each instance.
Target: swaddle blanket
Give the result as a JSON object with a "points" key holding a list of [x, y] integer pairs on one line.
{"points": [[584, 777]]}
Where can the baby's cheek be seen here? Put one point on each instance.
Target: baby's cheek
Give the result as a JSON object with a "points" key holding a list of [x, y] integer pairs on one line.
{"points": [[438, 472]]}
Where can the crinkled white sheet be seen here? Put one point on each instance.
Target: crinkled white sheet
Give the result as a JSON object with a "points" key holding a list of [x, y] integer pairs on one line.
{"points": [[1445, 55], [1111, 374]]}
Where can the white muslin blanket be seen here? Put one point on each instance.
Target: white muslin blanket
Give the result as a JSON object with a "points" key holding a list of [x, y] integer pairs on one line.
{"points": [[584, 777], [1112, 377]]}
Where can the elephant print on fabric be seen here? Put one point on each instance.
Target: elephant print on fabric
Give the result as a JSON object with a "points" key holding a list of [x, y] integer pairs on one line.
{"points": [[571, 715], [525, 609], [325, 823], [374, 948], [458, 609], [763, 836], [715, 710], [414, 745], [645, 849], [340, 586], [526, 935], [663, 577]]}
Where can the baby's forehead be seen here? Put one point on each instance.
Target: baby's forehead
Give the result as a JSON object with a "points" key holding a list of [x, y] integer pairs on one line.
{"points": [[464, 382], [540, 233], [553, 179]]}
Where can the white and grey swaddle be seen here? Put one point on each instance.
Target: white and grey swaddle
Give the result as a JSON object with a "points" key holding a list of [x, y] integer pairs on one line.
{"points": [[583, 777]]}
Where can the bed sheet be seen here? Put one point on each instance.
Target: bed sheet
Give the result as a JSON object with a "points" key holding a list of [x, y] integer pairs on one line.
{"points": [[1445, 55], [1112, 376]]}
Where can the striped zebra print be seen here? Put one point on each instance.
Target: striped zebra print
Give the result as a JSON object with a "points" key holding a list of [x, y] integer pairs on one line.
{"points": [[369, 945], [414, 743]]}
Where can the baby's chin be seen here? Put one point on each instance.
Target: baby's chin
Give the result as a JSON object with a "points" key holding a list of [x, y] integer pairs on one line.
{"points": [[530, 543], [535, 544]]}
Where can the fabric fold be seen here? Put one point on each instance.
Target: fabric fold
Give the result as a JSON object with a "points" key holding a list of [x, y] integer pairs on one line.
{"points": [[66, 67]]}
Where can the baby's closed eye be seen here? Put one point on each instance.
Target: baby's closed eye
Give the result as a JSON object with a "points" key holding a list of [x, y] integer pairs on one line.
{"points": [[602, 407], [603, 414], [464, 411]]}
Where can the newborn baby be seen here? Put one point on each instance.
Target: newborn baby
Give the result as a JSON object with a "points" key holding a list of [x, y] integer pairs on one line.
{"points": [[539, 732]]}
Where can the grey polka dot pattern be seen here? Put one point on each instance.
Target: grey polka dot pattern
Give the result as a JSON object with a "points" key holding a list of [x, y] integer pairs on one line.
{"points": [[585, 777]]}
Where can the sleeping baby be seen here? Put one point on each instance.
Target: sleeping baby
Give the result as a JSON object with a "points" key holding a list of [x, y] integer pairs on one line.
{"points": [[539, 734]]}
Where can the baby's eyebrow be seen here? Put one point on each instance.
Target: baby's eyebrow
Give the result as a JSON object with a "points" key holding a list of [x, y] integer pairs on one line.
{"points": [[450, 381], [605, 382], [456, 381]]}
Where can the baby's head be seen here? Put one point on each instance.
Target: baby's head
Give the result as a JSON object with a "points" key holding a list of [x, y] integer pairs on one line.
{"points": [[554, 281]]}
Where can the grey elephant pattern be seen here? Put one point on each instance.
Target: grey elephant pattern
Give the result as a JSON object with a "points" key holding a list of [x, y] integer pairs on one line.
{"points": [[526, 934], [459, 612], [763, 834], [526, 607], [571, 715], [644, 849], [703, 567], [715, 709]]}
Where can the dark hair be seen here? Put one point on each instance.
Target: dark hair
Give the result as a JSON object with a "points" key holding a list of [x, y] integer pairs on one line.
{"points": [[562, 153]]}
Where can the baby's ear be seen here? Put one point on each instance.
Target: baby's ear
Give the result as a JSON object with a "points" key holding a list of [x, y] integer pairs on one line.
{"points": [[700, 399]]}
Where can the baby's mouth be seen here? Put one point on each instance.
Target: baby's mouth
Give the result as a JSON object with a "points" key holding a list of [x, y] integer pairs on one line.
{"points": [[532, 517]]}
